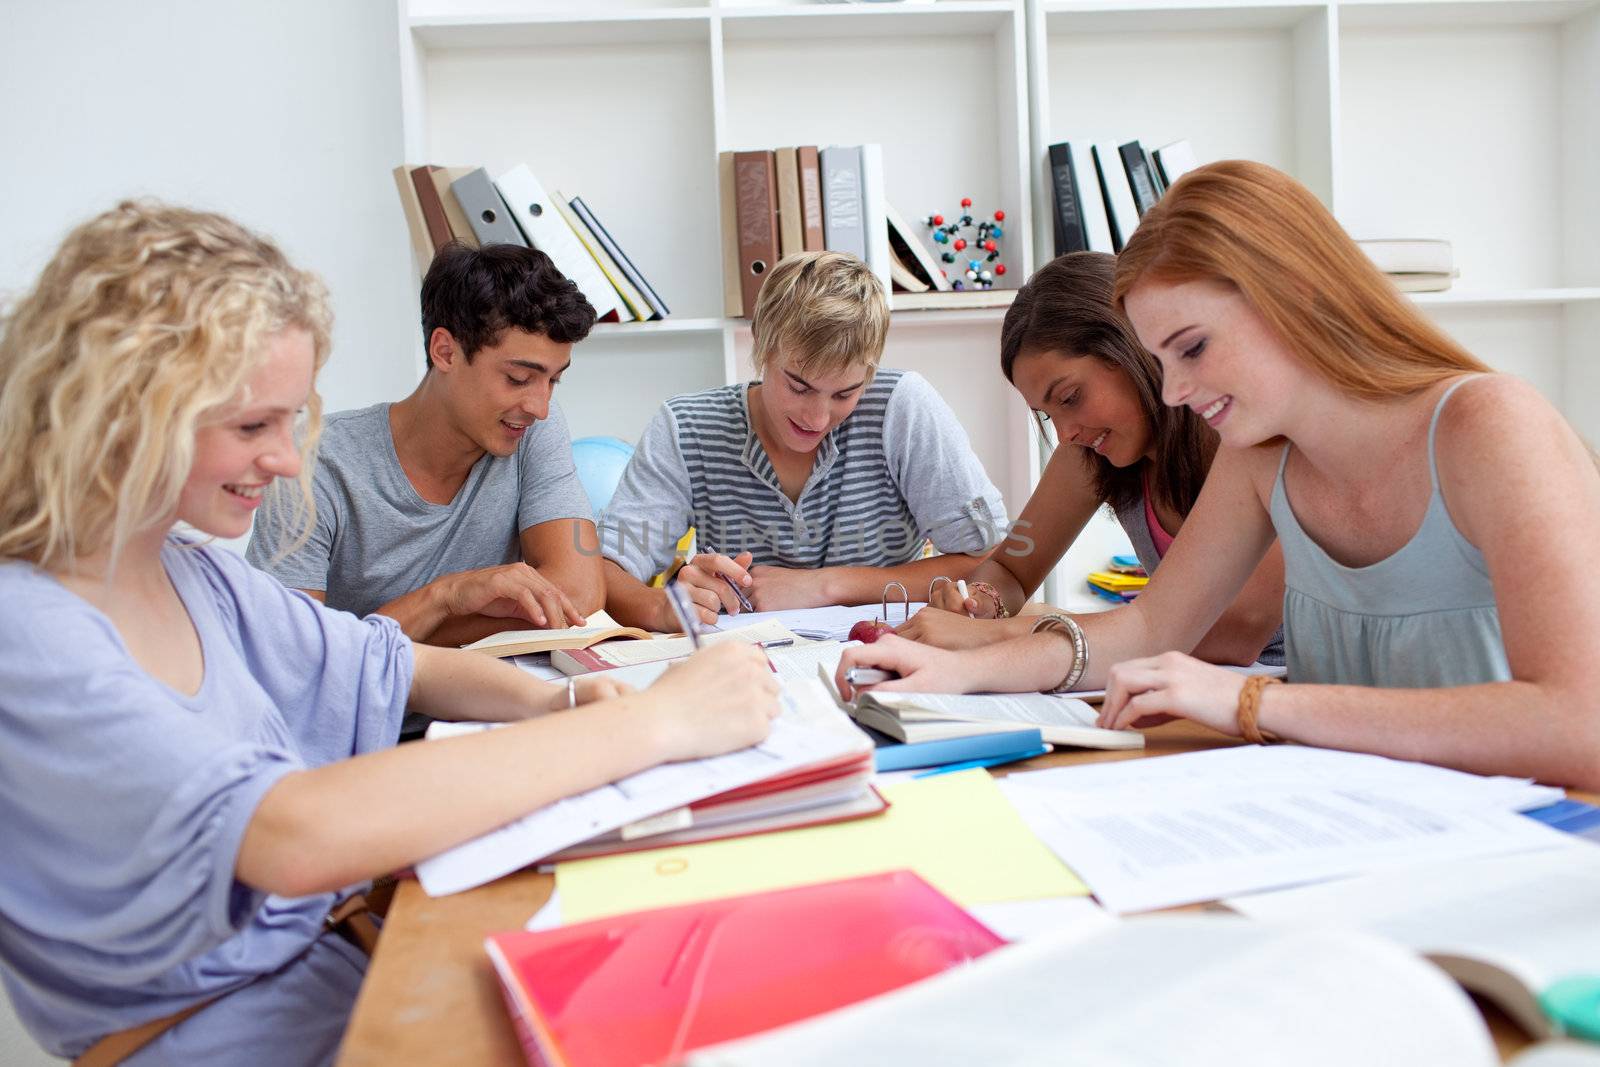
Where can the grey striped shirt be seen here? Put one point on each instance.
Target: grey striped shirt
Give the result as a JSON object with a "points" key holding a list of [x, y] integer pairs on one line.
{"points": [[900, 469]]}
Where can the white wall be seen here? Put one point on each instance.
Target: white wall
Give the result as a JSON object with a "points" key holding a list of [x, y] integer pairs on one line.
{"points": [[284, 114]]}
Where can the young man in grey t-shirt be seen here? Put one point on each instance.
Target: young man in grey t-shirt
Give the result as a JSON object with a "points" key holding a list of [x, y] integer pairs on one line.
{"points": [[458, 510]]}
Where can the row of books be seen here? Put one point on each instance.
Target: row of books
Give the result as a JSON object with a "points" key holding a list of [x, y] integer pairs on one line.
{"points": [[779, 202], [1101, 191], [1414, 264], [444, 204]]}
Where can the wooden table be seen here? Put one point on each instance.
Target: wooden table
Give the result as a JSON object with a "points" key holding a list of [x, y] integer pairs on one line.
{"points": [[431, 996]]}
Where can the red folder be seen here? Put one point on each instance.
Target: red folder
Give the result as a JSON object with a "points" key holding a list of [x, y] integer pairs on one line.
{"points": [[651, 986]]}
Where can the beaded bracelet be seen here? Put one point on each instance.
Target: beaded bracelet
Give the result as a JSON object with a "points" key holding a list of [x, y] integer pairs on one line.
{"points": [[1000, 610], [1068, 628], [1250, 709]]}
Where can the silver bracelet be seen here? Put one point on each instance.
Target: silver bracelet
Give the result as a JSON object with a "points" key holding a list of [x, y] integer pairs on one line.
{"points": [[572, 693], [1067, 627]]}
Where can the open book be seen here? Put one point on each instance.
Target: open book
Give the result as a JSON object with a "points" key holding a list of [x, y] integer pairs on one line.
{"points": [[914, 717], [1509, 928], [596, 628], [811, 758], [1204, 991], [578, 659]]}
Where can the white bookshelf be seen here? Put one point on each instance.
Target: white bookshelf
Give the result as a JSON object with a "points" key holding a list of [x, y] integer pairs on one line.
{"points": [[1473, 120], [628, 102]]}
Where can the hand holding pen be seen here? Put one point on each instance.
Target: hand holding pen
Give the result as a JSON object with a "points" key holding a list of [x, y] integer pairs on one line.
{"points": [[715, 584]]}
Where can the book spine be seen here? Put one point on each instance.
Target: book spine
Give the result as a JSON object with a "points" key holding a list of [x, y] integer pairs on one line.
{"points": [[432, 208], [1101, 169], [488, 214], [757, 206], [1069, 228], [460, 228], [1091, 203], [810, 167], [1144, 190], [638, 307], [632, 273], [1156, 178], [873, 216], [416, 226], [575, 661], [728, 222], [791, 232], [843, 230]]}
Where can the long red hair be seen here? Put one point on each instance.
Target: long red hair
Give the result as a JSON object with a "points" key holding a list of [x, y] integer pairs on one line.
{"points": [[1259, 230]]}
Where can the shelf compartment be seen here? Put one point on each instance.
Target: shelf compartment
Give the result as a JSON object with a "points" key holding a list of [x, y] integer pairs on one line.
{"points": [[643, 161], [946, 97], [1486, 172], [1236, 82]]}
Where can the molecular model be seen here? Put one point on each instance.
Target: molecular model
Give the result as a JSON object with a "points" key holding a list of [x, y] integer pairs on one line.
{"points": [[971, 257]]}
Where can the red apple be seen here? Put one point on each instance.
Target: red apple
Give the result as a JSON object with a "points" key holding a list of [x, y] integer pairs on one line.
{"points": [[869, 630]]}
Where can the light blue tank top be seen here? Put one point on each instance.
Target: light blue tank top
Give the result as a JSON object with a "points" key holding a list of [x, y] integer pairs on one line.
{"points": [[1424, 617]]}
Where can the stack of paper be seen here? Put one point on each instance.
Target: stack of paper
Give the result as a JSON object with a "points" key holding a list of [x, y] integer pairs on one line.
{"points": [[810, 733], [1160, 832]]}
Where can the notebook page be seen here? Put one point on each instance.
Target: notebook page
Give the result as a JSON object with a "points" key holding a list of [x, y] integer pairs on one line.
{"points": [[629, 653], [1029, 709]]}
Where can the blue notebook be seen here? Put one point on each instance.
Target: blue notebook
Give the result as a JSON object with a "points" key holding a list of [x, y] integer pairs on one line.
{"points": [[1571, 816], [891, 755]]}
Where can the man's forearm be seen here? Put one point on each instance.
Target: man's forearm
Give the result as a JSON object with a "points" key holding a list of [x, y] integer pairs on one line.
{"points": [[630, 601], [418, 612], [864, 585]]}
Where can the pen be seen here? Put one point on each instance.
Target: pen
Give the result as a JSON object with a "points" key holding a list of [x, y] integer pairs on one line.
{"points": [[777, 642], [744, 601], [991, 761], [868, 676], [961, 587], [684, 611]]}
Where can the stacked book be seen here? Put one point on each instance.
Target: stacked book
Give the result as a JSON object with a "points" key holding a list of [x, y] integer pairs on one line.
{"points": [[782, 201], [1414, 264], [1123, 580], [1100, 191], [444, 204]]}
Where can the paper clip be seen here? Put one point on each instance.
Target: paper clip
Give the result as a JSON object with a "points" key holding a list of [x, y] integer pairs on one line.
{"points": [[933, 586], [905, 603]]}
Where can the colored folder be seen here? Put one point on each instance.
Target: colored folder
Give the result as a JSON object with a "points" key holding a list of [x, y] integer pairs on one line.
{"points": [[648, 987], [891, 755]]}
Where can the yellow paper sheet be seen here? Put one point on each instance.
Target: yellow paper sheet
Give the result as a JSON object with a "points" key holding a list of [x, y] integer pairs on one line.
{"points": [[956, 830]]}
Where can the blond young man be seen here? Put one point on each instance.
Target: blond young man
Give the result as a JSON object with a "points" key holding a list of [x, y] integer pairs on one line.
{"points": [[815, 485]]}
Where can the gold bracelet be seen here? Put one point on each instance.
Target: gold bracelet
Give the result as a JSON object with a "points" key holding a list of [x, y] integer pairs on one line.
{"points": [[1250, 709]]}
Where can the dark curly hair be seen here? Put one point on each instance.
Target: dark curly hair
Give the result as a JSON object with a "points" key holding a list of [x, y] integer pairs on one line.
{"points": [[480, 293], [1067, 308]]}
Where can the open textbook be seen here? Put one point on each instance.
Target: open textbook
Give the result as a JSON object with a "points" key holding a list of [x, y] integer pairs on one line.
{"points": [[809, 737], [914, 717], [575, 660], [1202, 991], [596, 628], [1515, 929]]}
